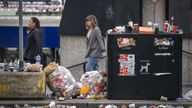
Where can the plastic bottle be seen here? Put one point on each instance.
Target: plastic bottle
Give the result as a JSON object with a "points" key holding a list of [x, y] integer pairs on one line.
{"points": [[10, 65], [18, 61], [15, 65], [172, 24], [38, 59], [5, 66]]}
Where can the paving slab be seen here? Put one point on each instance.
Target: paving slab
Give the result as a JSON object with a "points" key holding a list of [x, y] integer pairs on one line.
{"points": [[89, 103]]}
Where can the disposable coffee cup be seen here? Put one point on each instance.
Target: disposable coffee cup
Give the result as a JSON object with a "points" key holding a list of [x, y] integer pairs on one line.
{"points": [[131, 106], [163, 98]]}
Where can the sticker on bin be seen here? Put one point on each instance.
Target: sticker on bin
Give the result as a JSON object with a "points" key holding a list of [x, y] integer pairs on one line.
{"points": [[163, 42], [145, 66], [126, 64], [124, 42]]}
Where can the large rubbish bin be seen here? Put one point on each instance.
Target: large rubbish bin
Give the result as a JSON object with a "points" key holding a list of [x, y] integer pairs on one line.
{"points": [[144, 66]]}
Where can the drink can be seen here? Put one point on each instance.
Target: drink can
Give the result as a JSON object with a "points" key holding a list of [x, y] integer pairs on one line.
{"points": [[166, 26], [136, 27], [175, 29], [5, 67]]}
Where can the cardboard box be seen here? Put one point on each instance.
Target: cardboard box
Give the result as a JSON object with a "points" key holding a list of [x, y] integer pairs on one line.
{"points": [[145, 30]]}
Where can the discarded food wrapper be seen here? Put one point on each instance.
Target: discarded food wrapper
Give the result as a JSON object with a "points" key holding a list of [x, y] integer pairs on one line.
{"points": [[132, 106], [101, 106], [90, 78], [84, 89], [161, 106], [33, 68], [50, 68], [52, 104], [123, 106], [111, 106], [61, 99]]}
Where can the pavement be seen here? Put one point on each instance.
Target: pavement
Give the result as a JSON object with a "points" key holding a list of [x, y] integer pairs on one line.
{"points": [[89, 103]]}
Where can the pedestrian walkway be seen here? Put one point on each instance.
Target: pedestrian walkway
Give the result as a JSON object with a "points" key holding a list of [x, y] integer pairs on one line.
{"points": [[89, 103]]}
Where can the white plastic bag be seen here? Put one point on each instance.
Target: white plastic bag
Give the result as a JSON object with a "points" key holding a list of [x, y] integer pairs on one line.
{"points": [[90, 78], [93, 79], [188, 96], [62, 81]]}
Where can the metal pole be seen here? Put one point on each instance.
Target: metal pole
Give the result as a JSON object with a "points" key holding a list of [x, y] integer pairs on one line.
{"points": [[20, 31], [55, 54], [154, 10], [20, 35]]}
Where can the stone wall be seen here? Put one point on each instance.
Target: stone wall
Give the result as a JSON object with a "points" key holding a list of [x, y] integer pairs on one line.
{"points": [[148, 12], [187, 60], [72, 50]]}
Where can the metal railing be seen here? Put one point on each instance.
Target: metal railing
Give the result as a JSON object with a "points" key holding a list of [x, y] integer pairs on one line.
{"points": [[187, 52], [82, 63]]}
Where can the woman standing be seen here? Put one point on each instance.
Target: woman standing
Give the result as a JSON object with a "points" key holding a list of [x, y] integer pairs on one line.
{"points": [[34, 41], [94, 44]]}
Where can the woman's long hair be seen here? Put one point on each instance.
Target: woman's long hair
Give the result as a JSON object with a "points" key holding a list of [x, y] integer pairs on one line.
{"points": [[36, 21], [93, 20]]}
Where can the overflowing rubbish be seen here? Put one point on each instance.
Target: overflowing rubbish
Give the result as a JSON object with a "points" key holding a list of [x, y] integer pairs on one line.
{"points": [[52, 104], [117, 29], [33, 68], [63, 85], [92, 85], [186, 97], [61, 82], [134, 106]]}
